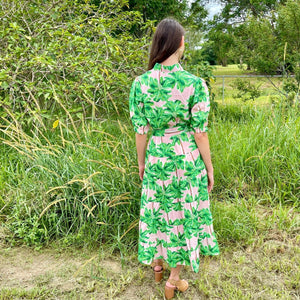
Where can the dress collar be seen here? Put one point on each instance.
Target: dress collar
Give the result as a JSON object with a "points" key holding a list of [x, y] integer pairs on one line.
{"points": [[167, 69]]}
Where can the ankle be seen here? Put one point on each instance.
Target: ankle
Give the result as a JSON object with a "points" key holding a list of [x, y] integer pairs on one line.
{"points": [[174, 278]]}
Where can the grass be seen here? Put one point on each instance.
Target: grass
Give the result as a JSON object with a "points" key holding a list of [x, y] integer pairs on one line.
{"points": [[88, 191], [233, 69], [261, 261]]}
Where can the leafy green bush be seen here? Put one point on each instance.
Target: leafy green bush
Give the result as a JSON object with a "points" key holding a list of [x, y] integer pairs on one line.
{"points": [[85, 53], [246, 90]]}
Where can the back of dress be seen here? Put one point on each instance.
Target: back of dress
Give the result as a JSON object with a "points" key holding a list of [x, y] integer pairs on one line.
{"points": [[175, 222]]}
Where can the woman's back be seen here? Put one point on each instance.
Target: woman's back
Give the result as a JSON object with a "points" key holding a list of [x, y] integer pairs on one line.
{"points": [[175, 103]]}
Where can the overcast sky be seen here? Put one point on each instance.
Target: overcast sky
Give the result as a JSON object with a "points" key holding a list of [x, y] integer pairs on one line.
{"points": [[213, 8]]}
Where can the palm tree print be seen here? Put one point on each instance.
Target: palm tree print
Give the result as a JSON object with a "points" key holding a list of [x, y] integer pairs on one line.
{"points": [[175, 220]]}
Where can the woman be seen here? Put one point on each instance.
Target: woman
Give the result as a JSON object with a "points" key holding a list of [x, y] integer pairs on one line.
{"points": [[175, 166]]}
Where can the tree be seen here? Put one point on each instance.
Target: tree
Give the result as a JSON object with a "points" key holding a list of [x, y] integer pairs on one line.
{"points": [[189, 13], [235, 10]]}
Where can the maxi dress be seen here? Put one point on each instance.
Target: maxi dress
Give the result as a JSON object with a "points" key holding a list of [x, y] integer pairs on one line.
{"points": [[176, 223]]}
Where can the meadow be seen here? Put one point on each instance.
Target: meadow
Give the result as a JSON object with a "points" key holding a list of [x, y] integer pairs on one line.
{"points": [[268, 87]]}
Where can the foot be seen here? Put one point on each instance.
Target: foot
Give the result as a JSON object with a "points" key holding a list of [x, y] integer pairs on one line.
{"points": [[178, 284], [172, 285]]}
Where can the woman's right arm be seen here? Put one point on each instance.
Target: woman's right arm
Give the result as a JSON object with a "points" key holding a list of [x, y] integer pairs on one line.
{"points": [[202, 142]]}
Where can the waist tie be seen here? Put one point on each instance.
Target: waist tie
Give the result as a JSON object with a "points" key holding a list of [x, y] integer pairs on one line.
{"points": [[170, 130]]}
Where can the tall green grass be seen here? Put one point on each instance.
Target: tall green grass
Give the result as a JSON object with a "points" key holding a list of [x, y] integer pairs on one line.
{"points": [[79, 181], [256, 152]]}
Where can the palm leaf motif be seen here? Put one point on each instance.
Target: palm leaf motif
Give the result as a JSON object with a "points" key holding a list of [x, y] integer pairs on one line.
{"points": [[158, 117], [143, 237], [164, 226], [136, 106], [183, 256], [174, 189], [214, 250], [193, 146], [176, 222], [199, 163], [178, 206], [147, 254], [177, 240], [178, 161], [195, 265], [189, 198], [205, 216], [204, 235], [152, 218], [204, 250], [179, 138], [165, 150], [163, 171], [144, 199], [173, 258], [181, 81], [157, 91], [176, 109], [149, 179], [191, 172], [144, 79], [191, 224], [165, 203]]}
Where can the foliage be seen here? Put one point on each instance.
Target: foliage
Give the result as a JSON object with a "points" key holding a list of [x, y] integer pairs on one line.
{"points": [[246, 90], [189, 13], [236, 9], [263, 34], [86, 55], [221, 40]]}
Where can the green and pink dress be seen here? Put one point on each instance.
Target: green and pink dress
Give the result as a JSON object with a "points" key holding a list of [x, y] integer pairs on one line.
{"points": [[175, 219]]}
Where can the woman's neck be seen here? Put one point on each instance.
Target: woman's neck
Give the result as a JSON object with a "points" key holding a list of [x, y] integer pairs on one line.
{"points": [[171, 60]]}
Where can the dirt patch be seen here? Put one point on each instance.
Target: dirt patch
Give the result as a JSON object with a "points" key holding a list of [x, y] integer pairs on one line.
{"points": [[28, 268], [266, 269]]}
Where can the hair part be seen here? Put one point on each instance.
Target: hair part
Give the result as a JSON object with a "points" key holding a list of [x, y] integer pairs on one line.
{"points": [[166, 41]]}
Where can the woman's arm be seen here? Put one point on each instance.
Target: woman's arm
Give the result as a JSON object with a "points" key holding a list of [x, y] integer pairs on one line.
{"points": [[202, 142], [141, 144]]}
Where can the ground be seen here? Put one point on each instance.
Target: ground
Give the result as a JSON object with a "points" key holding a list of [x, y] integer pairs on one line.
{"points": [[266, 269]]}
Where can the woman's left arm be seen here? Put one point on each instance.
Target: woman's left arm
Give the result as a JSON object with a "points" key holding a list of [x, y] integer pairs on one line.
{"points": [[141, 144]]}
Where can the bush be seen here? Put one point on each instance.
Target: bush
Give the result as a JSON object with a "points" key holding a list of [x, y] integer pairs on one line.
{"points": [[67, 56]]}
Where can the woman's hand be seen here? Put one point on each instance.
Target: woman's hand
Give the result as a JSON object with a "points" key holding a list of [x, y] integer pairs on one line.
{"points": [[210, 177], [141, 171]]}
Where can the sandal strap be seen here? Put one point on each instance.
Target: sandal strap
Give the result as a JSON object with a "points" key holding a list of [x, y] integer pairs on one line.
{"points": [[180, 284]]}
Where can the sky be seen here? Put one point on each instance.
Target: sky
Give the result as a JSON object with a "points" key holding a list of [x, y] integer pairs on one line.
{"points": [[213, 8]]}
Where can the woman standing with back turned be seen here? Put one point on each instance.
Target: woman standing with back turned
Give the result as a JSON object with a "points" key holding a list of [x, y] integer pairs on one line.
{"points": [[175, 166]]}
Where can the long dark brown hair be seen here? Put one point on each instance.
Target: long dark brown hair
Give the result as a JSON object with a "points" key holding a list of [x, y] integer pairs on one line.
{"points": [[166, 41]]}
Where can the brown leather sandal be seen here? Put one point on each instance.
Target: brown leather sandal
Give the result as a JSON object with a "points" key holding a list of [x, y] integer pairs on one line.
{"points": [[172, 285], [158, 269]]}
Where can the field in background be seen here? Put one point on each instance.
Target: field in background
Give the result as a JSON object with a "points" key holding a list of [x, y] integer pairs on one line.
{"points": [[231, 70], [265, 85]]}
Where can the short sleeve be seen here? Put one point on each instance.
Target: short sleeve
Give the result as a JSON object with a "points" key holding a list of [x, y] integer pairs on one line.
{"points": [[136, 108], [200, 107]]}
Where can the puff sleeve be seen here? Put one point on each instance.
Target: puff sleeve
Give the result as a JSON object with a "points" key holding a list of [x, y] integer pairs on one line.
{"points": [[200, 107], [136, 108]]}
